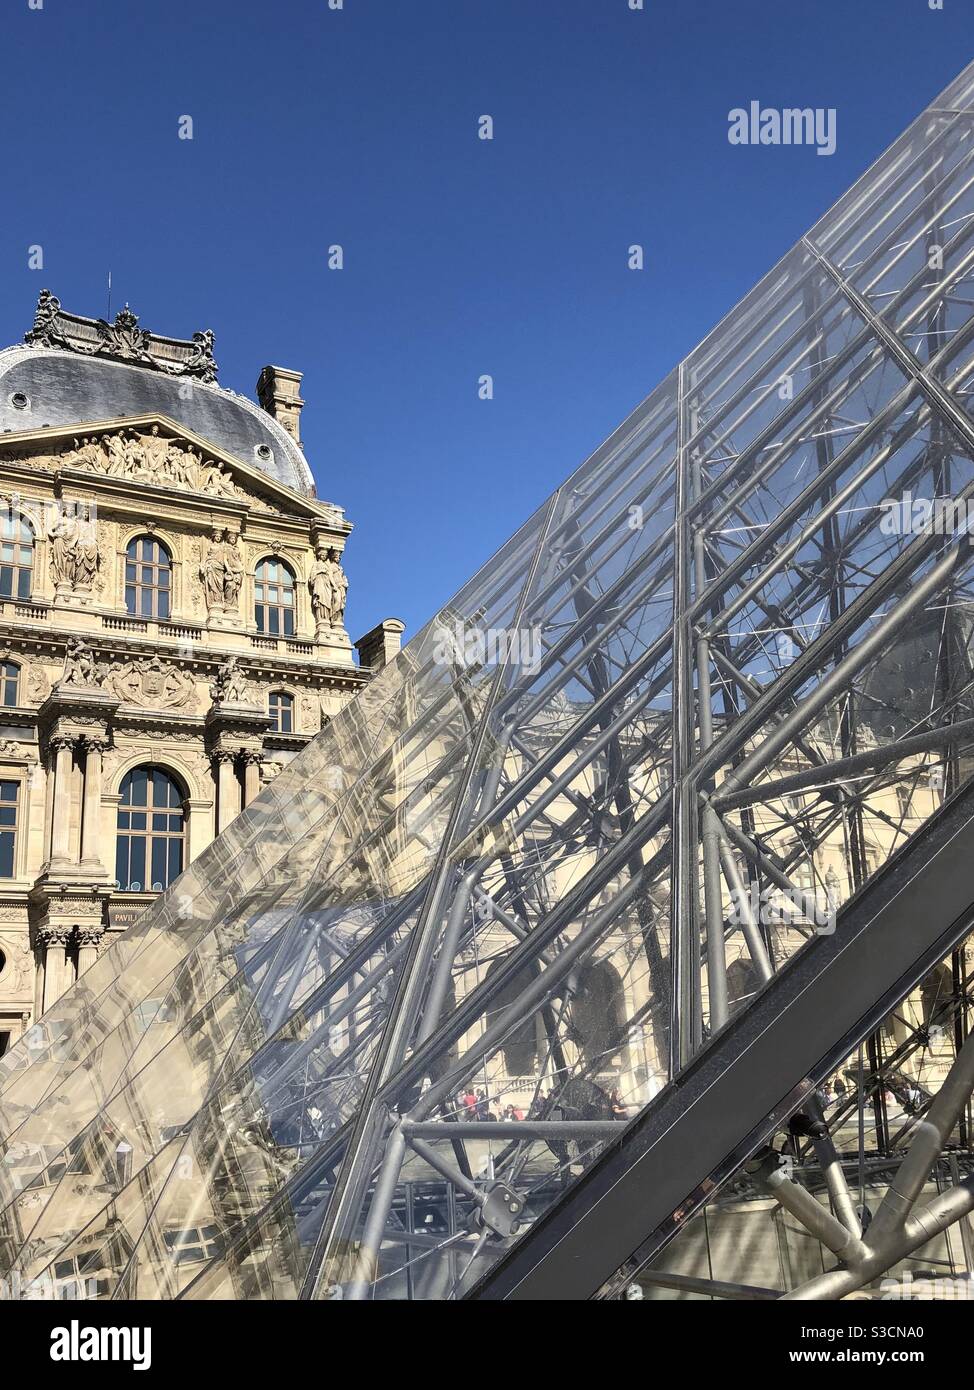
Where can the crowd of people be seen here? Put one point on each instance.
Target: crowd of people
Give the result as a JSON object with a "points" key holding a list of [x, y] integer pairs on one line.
{"points": [[474, 1105]]}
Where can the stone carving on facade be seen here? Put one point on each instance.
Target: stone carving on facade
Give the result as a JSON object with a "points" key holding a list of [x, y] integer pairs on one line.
{"points": [[125, 338], [153, 684], [54, 935], [73, 545], [81, 670], [329, 588], [122, 338], [230, 686], [45, 330], [222, 571], [19, 969], [38, 685], [150, 458]]}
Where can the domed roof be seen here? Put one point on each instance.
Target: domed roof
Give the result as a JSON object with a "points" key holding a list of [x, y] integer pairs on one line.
{"points": [[69, 372]]}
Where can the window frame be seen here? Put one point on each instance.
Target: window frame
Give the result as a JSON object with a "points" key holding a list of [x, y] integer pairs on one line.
{"points": [[21, 572], [275, 598], [10, 674], [10, 828], [280, 707], [128, 831], [147, 573]]}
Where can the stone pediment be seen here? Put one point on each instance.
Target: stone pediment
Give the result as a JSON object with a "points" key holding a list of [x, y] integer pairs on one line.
{"points": [[154, 451], [150, 457]]}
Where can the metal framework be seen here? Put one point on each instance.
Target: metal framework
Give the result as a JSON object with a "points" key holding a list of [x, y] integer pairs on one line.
{"points": [[606, 803]]}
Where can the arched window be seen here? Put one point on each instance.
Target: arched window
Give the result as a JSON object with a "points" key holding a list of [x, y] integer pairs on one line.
{"points": [[525, 1045], [597, 1014], [16, 555], [151, 840], [281, 709], [148, 578], [9, 683], [274, 599]]}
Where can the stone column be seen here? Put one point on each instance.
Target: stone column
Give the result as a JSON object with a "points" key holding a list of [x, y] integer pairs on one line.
{"points": [[61, 747], [49, 807], [89, 939], [252, 759], [93, 745], [56, 965], [227, 789]]}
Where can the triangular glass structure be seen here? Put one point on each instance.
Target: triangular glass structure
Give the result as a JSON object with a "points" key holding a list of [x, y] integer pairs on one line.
{"points": [[401, 1005]]}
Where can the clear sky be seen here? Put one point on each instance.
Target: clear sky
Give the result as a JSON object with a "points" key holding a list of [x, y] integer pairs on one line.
{"points": [[315, 126]]}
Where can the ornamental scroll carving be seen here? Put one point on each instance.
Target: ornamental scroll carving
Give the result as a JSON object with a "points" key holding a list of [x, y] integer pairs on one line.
{"points": [[123, 338], [153, 684]]}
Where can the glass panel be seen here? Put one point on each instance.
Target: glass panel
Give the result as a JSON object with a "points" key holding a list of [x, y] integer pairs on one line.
{"points": [[549, 854]]}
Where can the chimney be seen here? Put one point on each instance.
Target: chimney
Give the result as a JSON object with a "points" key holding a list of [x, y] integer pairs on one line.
{"points": [[279, 393], [380, 646]]}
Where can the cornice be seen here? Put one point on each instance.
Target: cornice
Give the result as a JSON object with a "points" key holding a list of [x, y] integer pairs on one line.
{"points": [[50, 637]]}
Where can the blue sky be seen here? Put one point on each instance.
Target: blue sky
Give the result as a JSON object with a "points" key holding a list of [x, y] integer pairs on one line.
{"points": [[463, 257]]}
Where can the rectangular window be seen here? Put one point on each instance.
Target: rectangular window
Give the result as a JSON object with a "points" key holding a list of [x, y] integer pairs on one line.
{"points": [[9, 807], [194, 1245]]}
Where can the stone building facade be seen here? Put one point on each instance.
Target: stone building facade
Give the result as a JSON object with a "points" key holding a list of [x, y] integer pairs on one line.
{"points": [[172, 601]]}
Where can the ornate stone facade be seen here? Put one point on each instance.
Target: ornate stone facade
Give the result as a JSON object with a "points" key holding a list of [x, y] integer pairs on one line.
{"points": [[165, 604]]}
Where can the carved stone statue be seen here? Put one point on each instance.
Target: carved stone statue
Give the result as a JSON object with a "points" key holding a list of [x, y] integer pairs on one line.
{"points": [[87, 453], [230, 686], [74, 549], [233, 569], [329, 588], [62, 534], [212, 573], [86, 552], [133, 457], [222, 572], [156, 448], [80, 667]]}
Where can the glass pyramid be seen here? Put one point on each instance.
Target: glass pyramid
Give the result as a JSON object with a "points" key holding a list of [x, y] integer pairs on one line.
{"points": [[398, 1008]]}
